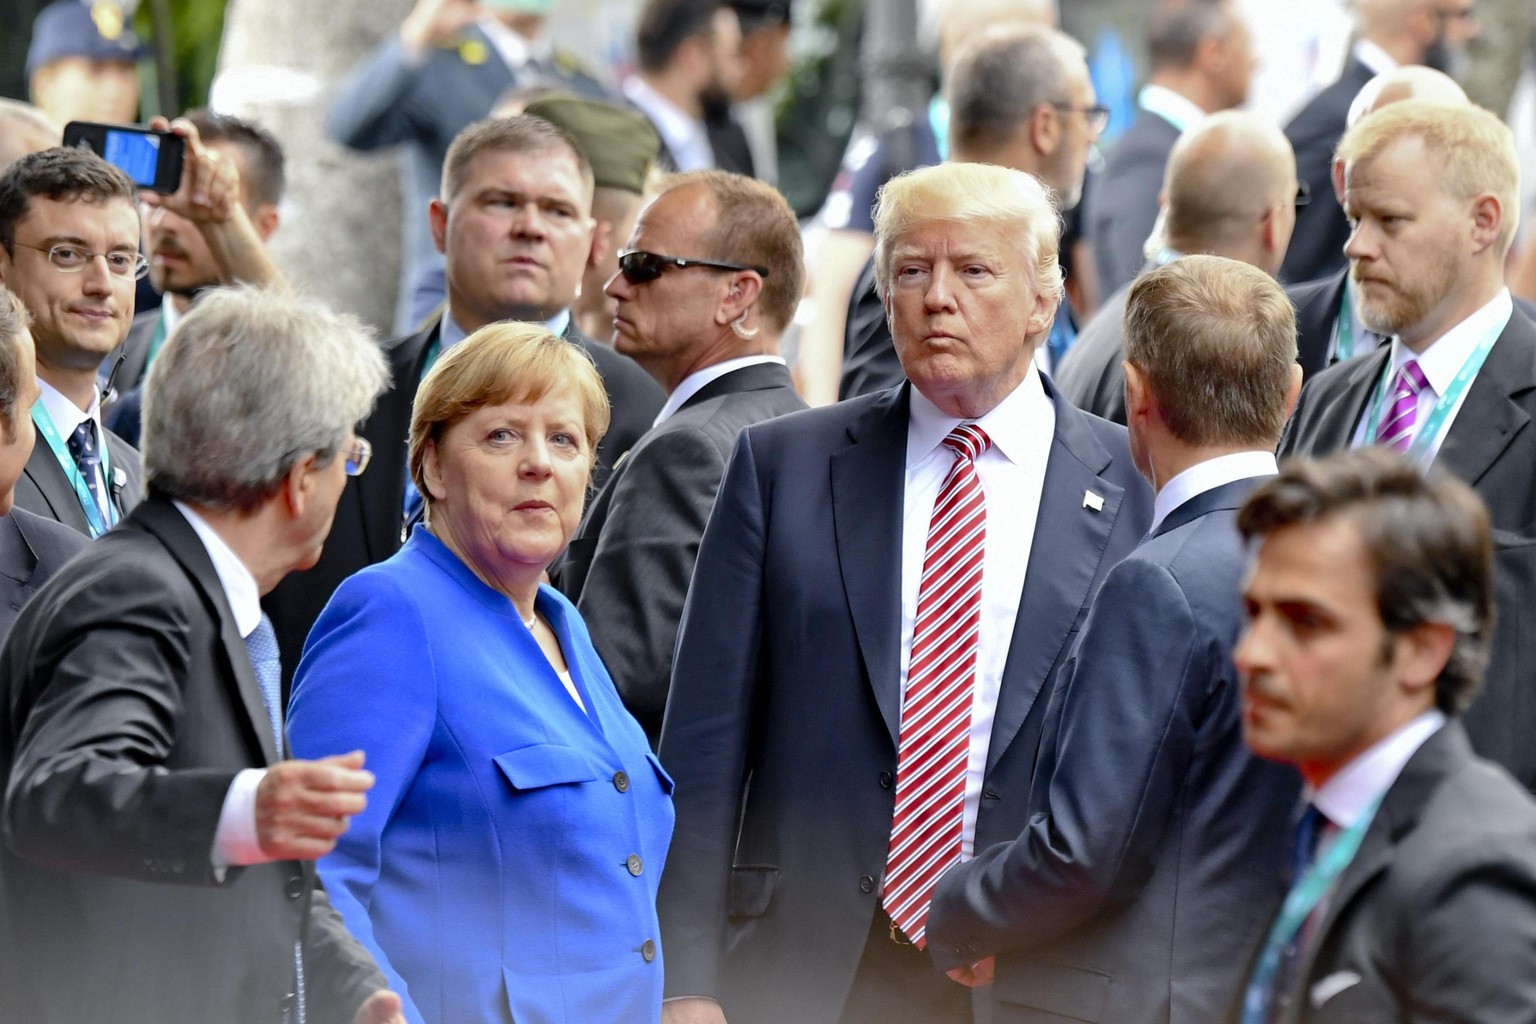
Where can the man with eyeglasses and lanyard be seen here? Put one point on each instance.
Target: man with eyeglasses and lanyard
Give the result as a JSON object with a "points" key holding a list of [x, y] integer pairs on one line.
{"points": [[69, 249], [1433, 194], [515, 224], [712, 277]]}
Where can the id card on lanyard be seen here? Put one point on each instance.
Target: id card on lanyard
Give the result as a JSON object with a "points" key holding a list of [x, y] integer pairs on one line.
{"points": [[100, 520], [1424, 445], [1303, 898]]}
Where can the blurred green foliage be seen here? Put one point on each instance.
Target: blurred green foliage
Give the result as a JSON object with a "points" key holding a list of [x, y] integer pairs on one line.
{"points": [[820, 101]]}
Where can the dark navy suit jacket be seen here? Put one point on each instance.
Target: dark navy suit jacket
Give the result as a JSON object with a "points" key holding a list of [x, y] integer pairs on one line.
{"points": [[782, 723], [1155, 839], [31, 550]]}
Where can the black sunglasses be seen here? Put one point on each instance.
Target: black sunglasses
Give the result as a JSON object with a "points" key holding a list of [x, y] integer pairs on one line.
{"points": [[641, 267]]}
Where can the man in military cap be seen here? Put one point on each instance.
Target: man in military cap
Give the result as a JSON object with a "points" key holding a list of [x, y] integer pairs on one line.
{"points": [[621, 145], [444, 68], [81, 64]]}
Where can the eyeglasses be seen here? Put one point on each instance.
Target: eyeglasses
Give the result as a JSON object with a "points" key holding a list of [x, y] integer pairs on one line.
{"points": [[72, 259], [1097, 115], [641, 267], [1303, 194], [358, 457]]}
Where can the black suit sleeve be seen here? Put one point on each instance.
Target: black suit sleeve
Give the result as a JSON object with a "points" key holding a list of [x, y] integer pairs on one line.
{"points": [[1469, 952], [870, 362], [89, 790], [705, 737], [1128, 709], [339, 975], [632, 599]]}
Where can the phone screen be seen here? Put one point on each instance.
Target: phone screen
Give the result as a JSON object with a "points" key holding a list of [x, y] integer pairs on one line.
{"points": [[136, 154]]}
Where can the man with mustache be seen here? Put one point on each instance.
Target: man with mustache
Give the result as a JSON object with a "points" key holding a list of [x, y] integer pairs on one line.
{"points": [[190, 252], [1433, 193], [514, 221], [69, 249]]}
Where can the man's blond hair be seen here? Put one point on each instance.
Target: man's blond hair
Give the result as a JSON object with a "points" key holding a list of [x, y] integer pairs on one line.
{"points": [[979, 193], [1473, 150]]}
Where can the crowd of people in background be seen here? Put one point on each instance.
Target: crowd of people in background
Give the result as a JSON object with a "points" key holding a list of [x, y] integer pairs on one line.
{"points": [[1117, 609]]}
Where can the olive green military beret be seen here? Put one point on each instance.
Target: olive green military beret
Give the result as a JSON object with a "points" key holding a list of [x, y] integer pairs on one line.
{"points": [[620, 144]]}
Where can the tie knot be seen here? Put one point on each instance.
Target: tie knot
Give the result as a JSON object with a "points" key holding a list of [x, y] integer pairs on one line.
{"points": [[1412, 377], [968, 441], [82, 441]]}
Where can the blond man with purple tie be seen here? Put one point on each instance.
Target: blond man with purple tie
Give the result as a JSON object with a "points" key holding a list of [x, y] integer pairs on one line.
{"points": [[1432, 192]]}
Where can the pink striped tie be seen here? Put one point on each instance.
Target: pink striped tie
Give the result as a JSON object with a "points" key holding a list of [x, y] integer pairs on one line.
{"points": [[1396, 430], [936, 710]]}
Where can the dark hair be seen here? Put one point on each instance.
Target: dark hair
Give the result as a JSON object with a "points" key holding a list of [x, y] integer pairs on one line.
{"points": [[1216, 340], [755, 226], [521, 134], [60, 173], [667, 24], [263, 176], [1177, 27], [14, 319], [996, 82], [1426, 536]]}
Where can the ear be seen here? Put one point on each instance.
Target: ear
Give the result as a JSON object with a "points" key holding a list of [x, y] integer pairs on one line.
{"points": [[1421, 654], [1293, 391], [432, 471], [1338, 181], [265, 220], [298, 487], [1046, 309], [1487, 219], [745, 288], [437, 215], [1212, 55], [602, 240], [1138, 393], [1044, 129]]}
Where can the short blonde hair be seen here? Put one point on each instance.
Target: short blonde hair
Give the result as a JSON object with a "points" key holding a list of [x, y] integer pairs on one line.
{"points": [[1475, 151], [971, 192], [503, 362]]}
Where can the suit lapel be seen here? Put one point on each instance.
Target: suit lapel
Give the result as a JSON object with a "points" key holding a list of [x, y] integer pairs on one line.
{"points": [[1336, 423], [757, 377], [1070, 539], [45, 473], [381, 490], [17, 563], [1314, 324], [166, 522], [868, 480], [1399, 813], [1490, 417], [1226, 497]]}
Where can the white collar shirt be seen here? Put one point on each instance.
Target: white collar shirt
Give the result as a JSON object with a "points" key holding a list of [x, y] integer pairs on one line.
{"points": [[1179, 111], [684, 136], [515, 51], [1377, 60], [1345, 797], [1441, 362], [1012, 472], [698, 380], [1207, 476]]}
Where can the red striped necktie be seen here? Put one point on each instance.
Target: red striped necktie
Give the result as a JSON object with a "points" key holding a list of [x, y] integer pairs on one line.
{"points": [[936, 709]]}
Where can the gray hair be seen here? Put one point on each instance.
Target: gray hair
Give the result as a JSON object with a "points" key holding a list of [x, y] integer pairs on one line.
{"points": [[998, 79], [14, 321], [249, 383]]}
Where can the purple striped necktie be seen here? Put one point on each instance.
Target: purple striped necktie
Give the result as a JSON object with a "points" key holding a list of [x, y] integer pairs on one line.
{"points": [[1400, 419], [932, 746]]}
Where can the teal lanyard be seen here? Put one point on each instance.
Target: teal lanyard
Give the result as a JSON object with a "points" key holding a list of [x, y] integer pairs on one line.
{"points": [[938, 120], [1346, 323], [93, 513], [1421, 447], [1303, 898]]}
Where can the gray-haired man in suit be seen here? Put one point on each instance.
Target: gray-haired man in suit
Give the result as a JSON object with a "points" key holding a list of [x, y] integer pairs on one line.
{"points": [[708, 331]]}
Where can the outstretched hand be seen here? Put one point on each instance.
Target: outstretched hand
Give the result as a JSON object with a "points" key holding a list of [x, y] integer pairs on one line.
{"points": [[383, 1007]]}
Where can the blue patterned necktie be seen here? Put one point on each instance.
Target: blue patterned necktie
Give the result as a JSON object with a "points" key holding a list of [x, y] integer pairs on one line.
{"points": [[87, 455], [262, 647]]}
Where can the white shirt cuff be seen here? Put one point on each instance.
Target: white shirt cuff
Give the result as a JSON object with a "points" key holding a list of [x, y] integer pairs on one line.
{"points": [[235, 842]]}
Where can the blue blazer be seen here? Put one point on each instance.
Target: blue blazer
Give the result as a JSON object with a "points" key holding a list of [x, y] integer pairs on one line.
{"points": [[512, 845]]}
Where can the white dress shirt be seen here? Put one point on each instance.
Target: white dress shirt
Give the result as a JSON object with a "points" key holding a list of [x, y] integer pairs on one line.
{"points": [[1379, 61], [684, 136], [1440, 363], [234, 841], [1352, 790], [699, 379], [1177, 110], [1207, 476], [1012, 473], [449, 333], [66, 418]]}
